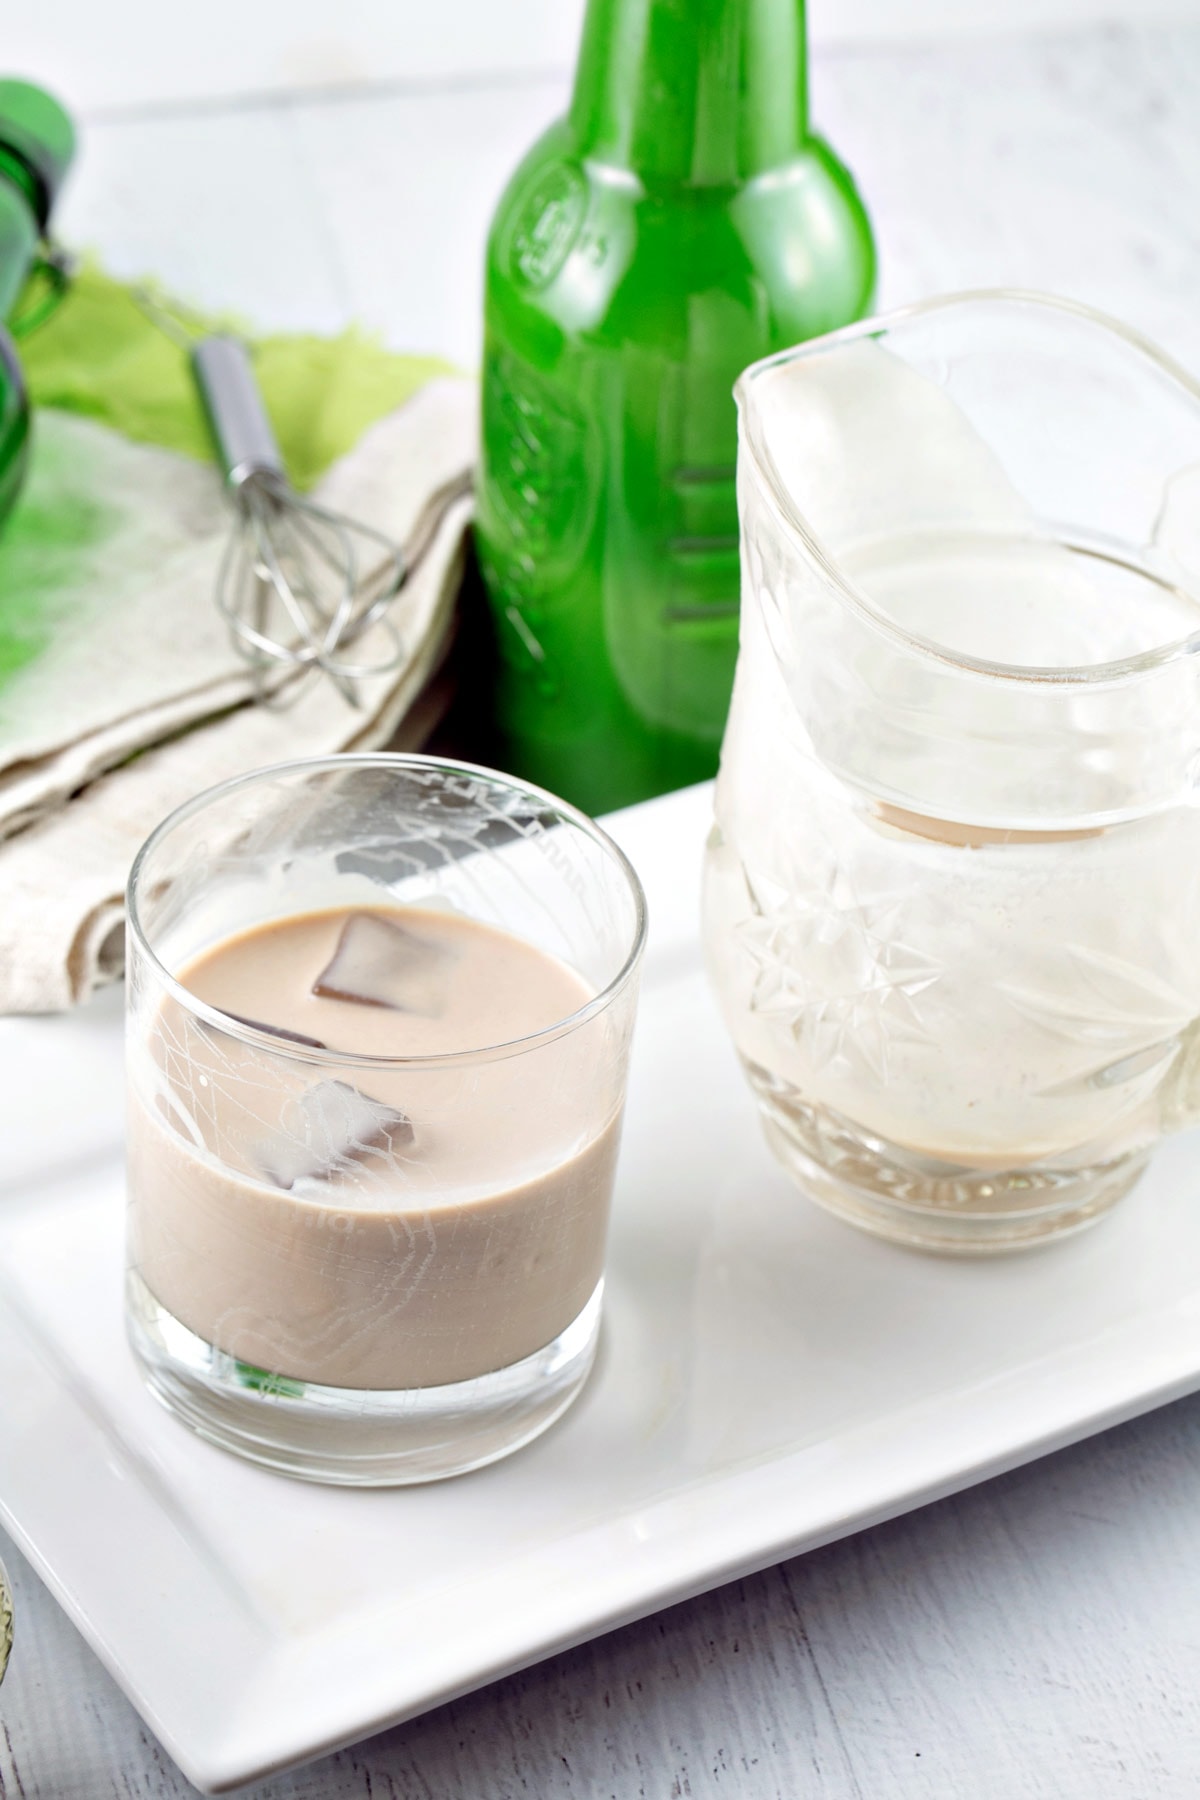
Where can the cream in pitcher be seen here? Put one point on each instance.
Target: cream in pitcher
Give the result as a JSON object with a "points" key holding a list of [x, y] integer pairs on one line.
{"points": [[952, 884]]}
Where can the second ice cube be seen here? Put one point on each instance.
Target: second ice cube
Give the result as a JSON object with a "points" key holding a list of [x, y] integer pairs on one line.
{"points": [[331, 1128], [379, 962]]}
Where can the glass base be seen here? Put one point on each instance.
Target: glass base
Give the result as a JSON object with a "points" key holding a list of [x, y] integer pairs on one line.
{"points": [[357, 1437], [923, 1202]]}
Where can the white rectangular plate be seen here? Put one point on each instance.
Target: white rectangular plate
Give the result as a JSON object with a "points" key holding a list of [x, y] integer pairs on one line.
{"points": [[769, 1380]]}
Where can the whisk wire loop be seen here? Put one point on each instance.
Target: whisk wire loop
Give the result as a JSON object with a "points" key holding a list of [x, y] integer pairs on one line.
{"points": [[300, 584]]}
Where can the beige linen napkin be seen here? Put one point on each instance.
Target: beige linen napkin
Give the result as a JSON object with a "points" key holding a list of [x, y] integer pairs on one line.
{"points": [[144, 669]]}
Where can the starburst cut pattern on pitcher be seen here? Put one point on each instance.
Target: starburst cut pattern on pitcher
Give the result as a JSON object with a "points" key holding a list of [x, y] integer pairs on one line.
{"points": [[836, 974]]}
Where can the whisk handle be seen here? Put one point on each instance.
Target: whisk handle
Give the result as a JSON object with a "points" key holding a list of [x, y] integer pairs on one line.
{"points": [[236, 415]]}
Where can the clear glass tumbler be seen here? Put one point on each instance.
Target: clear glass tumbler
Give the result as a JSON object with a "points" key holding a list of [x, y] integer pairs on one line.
{"points": [[953, 883], [350, 1264]]}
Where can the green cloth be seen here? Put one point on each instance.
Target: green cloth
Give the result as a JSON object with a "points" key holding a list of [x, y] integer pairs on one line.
{"points": [[101, 356]]}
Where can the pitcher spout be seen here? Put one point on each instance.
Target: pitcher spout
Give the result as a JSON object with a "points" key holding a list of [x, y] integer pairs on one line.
{"points": [[970, 531]]}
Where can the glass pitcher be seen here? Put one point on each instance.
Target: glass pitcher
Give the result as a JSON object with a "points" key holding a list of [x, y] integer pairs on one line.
{"points": [[952, 892]]}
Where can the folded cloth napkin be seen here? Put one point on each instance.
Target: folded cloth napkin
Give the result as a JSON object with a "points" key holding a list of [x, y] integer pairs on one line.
{"points": [[120, 693]]}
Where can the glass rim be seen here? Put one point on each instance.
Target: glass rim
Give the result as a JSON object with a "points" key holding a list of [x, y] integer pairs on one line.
{"points": [[395, 760], [1072, 676]]}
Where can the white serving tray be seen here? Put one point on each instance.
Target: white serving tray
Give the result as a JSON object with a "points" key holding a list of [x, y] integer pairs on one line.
{"points": [[769, 1380]]}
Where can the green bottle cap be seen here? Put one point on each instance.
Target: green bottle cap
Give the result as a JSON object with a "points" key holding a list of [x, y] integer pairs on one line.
{"points": [[35, 129]]}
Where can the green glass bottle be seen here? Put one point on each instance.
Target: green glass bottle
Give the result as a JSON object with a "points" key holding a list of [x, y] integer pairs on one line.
{"points": [[36, 145], [680, 222]]}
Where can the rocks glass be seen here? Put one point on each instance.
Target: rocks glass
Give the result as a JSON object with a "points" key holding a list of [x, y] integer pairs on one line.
{"points": [[379, 1019], [953, 886]]}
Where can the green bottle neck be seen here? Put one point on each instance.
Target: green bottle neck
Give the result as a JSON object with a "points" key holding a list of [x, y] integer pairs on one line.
{"points": [[703, 92], [18, 231]]}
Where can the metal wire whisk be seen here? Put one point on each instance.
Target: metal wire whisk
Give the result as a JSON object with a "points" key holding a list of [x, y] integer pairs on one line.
{"points": [[299, 585]]}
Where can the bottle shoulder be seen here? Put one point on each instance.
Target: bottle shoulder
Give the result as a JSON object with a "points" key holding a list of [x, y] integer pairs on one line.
{"points": [[579, 248]]}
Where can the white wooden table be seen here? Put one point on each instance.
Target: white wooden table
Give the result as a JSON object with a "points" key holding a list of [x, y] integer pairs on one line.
{"points": [[1038, 1636]]}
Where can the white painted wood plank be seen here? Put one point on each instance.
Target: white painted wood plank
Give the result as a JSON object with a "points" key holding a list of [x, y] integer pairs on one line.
{"points": [[1070, 164], [843, 23], [408, 187], [136, 53], [220, 208]]}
